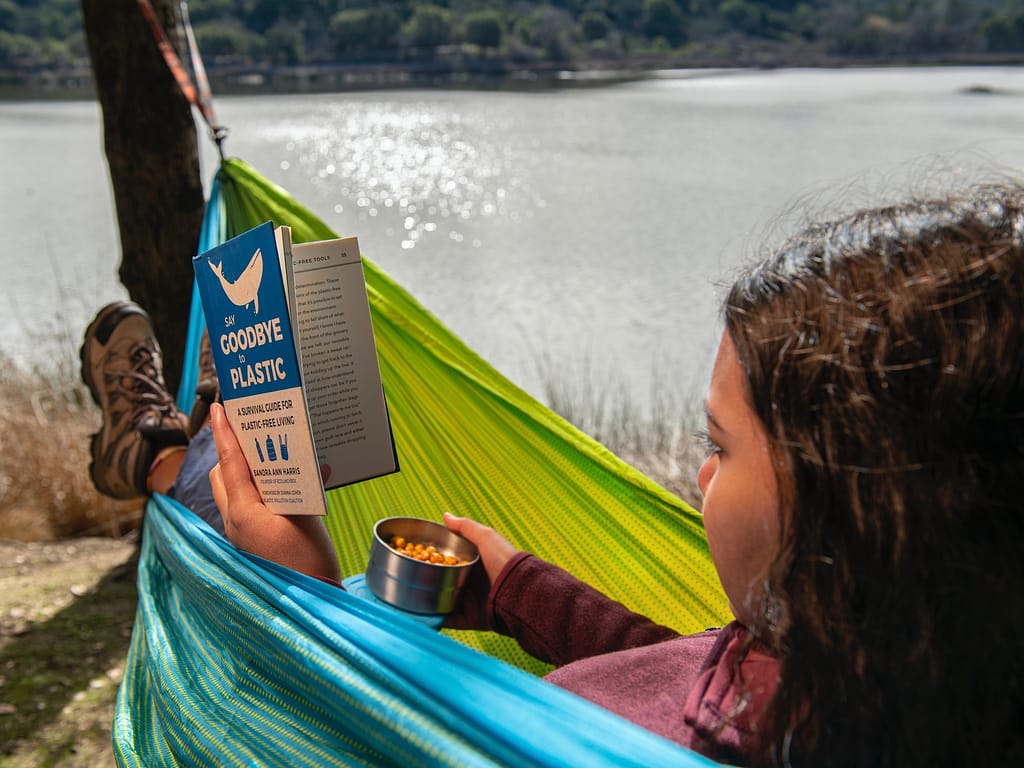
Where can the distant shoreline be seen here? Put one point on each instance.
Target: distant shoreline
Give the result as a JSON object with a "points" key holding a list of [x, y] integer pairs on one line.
{"points": [[490, 74]]}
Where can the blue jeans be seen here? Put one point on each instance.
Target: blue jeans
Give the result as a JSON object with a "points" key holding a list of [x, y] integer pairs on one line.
{"points": [[192, 487]]}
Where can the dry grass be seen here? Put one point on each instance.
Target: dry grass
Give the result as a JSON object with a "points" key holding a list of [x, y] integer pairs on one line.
{"points": [[46, 417], [661, 442]]}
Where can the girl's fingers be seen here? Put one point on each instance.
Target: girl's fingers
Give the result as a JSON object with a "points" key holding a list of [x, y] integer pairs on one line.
{"points": [[235, 480]]}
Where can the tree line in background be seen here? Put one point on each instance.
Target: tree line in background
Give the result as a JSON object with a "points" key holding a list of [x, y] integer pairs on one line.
{"points": [[40, 34]]}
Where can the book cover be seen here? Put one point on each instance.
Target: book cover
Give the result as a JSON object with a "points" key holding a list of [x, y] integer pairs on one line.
{"points": [[245, 302]]}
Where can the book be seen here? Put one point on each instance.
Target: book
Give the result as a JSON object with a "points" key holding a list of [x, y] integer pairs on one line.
{"points": [[292, 341]]}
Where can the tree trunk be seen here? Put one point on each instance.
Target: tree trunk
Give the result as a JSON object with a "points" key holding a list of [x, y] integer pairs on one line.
{"points": [[153, 156]]}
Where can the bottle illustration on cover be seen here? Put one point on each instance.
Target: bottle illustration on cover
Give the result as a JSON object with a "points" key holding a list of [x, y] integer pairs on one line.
{"points": [[282, 446], [259, 451], [271, 451]]}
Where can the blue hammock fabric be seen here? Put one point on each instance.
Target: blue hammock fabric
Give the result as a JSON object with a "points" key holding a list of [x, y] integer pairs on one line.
{"points": [[328, 679], [237, 661]]}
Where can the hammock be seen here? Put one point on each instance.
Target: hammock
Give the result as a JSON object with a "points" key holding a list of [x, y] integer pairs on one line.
{"points": [[235, 660]]}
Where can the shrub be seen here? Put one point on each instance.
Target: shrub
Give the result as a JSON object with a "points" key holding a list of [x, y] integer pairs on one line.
{"points": [[485, 28]]}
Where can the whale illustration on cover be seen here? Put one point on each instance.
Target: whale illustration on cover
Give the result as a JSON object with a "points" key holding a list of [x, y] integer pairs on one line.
{"points": [[245, 289]]}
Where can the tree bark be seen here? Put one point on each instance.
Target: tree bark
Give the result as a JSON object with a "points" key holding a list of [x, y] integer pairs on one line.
{"points": [[152, 153]]}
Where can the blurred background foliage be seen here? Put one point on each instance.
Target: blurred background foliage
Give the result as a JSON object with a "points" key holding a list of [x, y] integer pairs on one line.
{"points": [[40, 34]]}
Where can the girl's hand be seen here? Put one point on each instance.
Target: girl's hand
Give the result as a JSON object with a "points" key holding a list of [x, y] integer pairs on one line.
{"points": [[299, 542], [495, 551]]}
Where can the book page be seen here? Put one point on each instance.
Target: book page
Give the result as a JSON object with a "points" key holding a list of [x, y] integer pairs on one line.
{"points": [[340, 369]]}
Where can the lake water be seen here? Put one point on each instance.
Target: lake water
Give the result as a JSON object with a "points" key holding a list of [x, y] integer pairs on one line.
{"points": [[584, 231]]}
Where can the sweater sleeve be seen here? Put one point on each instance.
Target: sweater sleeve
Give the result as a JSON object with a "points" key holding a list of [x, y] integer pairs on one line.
{"points": [[559, 619]]}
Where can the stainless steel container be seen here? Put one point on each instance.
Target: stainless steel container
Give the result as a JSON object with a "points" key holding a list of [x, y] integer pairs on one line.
{"points": [[416, 585]]}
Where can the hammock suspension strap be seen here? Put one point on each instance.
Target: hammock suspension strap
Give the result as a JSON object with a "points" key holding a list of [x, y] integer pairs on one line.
{"points": [[194, 84]]}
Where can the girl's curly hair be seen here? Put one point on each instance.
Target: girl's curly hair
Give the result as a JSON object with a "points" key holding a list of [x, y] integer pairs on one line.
{"points": [[885, 355]]}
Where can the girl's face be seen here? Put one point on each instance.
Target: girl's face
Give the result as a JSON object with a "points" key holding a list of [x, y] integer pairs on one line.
{"points": [[741, 498]]}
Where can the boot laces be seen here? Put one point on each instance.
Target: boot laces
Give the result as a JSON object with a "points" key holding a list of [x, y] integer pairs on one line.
{"points": [[142, 384]]}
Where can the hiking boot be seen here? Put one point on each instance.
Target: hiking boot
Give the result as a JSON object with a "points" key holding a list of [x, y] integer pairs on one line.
{"points": [[207, 386], [122, 367]]}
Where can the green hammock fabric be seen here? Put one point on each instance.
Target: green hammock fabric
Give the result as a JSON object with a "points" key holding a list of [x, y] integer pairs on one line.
{"points": [[472, 443], [469, 442]]}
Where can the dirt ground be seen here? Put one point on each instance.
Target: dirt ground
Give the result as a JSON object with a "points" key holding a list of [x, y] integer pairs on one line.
{"points": [[66, 613]]}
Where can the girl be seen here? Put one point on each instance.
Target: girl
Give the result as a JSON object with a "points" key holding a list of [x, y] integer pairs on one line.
{"points": [[862, 502]]}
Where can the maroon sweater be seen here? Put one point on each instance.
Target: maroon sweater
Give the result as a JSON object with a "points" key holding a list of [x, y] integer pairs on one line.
{"points": [[686, 688]]}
